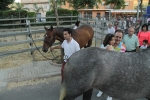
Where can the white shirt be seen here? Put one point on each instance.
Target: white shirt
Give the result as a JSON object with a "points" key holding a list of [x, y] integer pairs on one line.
{"points": [[111, 30], [143, 47], [148, 20], [69, 48], [75, 27], [102, 46]]}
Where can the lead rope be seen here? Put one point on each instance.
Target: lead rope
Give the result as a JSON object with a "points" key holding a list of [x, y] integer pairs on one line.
{"points": [[54, 58]]}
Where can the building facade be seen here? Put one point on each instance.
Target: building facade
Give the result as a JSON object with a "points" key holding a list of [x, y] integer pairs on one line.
{"points": [[103, 10], [40, 3]]}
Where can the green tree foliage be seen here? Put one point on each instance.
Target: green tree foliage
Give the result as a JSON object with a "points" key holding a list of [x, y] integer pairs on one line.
{"points": [[117, 4], [36, 8], [19, 6], [62, 12], [30, 15], [141, 3], [58, 3], [78, 4], [4, 4]]}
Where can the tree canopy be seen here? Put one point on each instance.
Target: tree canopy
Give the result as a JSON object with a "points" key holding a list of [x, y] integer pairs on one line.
{"points": [[117, 4], [78, 4], [4, 4], [36, 8], [19, 6]]}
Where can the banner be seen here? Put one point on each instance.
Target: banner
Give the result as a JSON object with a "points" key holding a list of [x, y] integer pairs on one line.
{"points": [[148, 10]]}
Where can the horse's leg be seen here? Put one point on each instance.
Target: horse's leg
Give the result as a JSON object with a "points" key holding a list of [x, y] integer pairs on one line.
{"points": [[148, 98], [69, 98], [87, 95], [89, 43]]}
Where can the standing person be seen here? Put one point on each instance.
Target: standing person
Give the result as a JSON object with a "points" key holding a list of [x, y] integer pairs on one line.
{"points": [[123, 24], [111, 29], [116, 24], [69, 45], [137, 27], [144, 34], [144, 46], [117, 46], [131, 41], [134, 21]]}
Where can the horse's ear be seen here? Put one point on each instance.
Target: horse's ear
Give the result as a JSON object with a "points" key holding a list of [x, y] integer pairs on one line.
{"points": [[51, 27], [45, 28]]}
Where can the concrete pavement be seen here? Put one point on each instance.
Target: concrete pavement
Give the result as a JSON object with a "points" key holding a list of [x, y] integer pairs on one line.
{"points": [[33, 70]]}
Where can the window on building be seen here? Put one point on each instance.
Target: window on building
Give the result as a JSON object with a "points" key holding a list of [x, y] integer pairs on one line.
{"points": [[45, 6], [102, 4], [26, 6], [127, 3], [88, 15]]}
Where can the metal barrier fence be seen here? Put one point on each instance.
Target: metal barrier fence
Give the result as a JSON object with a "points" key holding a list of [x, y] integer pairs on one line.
{"points": [[28, 33]]}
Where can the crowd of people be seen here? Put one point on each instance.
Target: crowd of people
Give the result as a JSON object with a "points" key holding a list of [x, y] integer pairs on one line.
{"points": [[115, 40], [128, 42]]}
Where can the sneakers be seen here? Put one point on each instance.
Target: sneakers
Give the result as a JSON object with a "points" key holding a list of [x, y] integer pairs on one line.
{"points": [[99, 94], [109, 98]]}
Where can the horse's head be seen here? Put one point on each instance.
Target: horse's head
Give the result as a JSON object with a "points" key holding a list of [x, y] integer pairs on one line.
{"points": [[77, 23], [49, 38]]}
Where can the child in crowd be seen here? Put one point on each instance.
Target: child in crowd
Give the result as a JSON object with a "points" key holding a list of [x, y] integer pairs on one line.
{"points": [[144, 46], [107, 44]]}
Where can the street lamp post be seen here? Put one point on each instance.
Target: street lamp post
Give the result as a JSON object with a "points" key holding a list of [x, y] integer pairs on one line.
{"points": [[49, 4], [139, 2]]}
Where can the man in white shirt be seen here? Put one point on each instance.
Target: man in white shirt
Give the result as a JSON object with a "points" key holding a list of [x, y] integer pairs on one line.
{"points": [[69, 45], [111, 29]]}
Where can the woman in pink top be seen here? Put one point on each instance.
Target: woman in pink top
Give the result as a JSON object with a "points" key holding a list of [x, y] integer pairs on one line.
{"points": [[144, 34]]}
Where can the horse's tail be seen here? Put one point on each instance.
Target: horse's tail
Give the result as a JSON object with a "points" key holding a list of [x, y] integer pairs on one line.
{"points": [[62, 91]]}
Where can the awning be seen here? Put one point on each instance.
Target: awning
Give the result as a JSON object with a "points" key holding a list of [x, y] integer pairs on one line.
{"points": [[123, 11]]}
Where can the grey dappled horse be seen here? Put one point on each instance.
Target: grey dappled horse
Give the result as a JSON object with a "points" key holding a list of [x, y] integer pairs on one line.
{"points": [[124, 76]]}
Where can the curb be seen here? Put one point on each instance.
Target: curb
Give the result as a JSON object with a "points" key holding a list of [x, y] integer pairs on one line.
{"points": [[46, 75]]}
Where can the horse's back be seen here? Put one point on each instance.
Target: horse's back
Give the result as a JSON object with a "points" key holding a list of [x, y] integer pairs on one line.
{"points": [[86, 30], [109, 71]]}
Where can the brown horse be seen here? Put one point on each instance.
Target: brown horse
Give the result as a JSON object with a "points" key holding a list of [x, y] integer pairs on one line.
{"points": [[83, 35]]}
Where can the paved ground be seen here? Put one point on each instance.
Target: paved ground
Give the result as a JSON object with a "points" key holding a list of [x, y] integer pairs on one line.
{"points": [[28, 71]]}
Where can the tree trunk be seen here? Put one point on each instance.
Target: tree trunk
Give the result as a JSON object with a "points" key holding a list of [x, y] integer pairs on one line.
{"points": [[141, 13], [56, 13]]}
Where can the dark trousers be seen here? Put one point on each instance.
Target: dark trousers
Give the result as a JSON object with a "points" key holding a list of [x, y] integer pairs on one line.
{"points": [[132, 51], [62, 71]]}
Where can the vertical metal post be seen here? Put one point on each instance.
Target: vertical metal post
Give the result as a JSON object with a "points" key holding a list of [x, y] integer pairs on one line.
{"points": [[95, 32], [109, 14], [138, 8], [137, 11], [49, 4], [30, 39], [71, 19]]}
